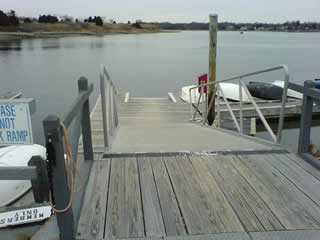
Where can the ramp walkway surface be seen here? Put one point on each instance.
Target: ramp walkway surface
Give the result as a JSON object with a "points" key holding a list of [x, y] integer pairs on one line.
{"points": [[159, 125], [165, 178]]}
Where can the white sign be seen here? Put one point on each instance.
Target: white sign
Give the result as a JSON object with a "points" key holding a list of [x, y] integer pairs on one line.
{"points": [[23, 216], [15, 124]]}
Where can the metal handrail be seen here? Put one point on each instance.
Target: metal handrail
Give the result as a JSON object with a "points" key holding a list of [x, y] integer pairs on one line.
{"points": [[277, 138], [109, 106]]}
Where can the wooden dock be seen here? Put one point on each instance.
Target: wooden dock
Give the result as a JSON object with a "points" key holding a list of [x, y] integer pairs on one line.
{"points": [[167, 178]]}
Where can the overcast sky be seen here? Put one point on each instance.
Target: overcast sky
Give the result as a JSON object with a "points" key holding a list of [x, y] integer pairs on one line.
{"points": [[172, 10]]}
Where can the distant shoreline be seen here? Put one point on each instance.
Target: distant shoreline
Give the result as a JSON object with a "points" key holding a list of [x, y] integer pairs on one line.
{"points": [[36, 30], [11, 36]]}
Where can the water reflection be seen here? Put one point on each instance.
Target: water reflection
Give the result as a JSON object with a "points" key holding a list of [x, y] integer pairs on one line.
{"points": [[51, 43], [97, 43], [11, 45], [58, 43]]}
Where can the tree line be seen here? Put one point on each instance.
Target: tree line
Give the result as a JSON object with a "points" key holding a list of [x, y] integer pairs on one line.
{"points": [[9, 19], [47, 19], [289, 26], [96, 19]]}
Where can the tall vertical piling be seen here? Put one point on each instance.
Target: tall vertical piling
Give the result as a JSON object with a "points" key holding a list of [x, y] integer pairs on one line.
{"points": [[213, 28]]}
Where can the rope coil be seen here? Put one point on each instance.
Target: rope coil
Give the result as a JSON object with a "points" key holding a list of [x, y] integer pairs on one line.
{"points": [[70, 166]]}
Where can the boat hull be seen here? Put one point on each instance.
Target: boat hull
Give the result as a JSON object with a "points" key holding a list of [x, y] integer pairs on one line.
{"points": [[290, 93], [10, 190], [266, 91], [231, 92]]}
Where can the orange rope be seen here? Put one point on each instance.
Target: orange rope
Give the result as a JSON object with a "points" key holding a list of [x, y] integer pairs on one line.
{"points": [[69, 170]]}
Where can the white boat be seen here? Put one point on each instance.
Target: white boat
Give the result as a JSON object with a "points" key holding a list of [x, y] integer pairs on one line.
{"points": [[185, 95], [231, 92], [290, 93], [17, 156]]}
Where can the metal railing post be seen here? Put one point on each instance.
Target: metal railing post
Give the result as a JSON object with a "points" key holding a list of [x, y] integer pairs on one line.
{"points": [[195, 113], [263, 120], [60, 189], [204, 106], [241, 112], [111, 109], [229, 108], [85, 122], [219, 113], [191, 108], [115, 109], [103, 106], [306, 120], [109, 122], [284, 101]]}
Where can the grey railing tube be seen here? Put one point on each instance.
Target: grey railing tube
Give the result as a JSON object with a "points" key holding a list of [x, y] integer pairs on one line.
{"points": [[103, 106], [108, 105], [284, 101], [85, 120]]}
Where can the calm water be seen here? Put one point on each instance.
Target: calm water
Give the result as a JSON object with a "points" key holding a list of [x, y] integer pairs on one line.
{"points": [[146, 64]]}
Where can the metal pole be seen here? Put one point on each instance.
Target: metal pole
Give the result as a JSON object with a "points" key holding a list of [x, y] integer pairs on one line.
{"points": [[204, 106], [196, 110], [263, 120], [229, 108], [219, 114], [306, 120], [213, 28], [283, 104], [241, 112], [103, 106], [191, 108]]}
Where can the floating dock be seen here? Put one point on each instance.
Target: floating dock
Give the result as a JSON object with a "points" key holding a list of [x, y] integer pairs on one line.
{"points": [[165, 177]]}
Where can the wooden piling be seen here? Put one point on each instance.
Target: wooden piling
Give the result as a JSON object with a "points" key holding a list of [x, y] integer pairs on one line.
{"points": [[253, 127], [213, 28]]}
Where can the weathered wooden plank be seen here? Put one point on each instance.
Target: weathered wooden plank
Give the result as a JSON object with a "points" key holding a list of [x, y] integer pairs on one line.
{"points": [[251, 209], [291, 206], [116, 201], [133, 220], [299, 177], [227, 219], [194, 200], [151, 206], [92, 219], [172, 218], [303, 164], [191, 207], [124, 213]]}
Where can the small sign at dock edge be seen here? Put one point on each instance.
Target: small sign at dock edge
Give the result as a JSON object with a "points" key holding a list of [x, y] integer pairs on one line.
{"points": [[15, 122]]}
